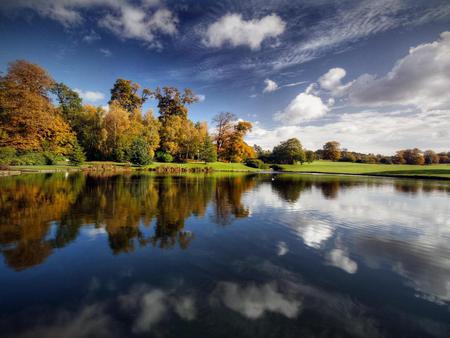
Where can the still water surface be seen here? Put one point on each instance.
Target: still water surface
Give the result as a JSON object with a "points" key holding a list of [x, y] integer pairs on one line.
{"points": [[223, 256]]}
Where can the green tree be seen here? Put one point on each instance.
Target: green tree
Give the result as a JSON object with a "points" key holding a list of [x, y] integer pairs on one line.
{"points": [[289, 152], [140, 152], [77, 157], [208, 152], [126, 94], [173, 103], [70, 103], [310, 156]]}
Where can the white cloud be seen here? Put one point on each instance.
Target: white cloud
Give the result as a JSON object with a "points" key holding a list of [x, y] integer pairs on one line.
{"points": [[344, 25], [305, 107], [124, 18], [90, 96], [282, 248], [271, 86], [91, 37], [151, 306], [232, 29], [253, 301], [133, 23], [339, 258], [421, 79], [331, 81], [367, 131], [201, 97], [106, 52]]}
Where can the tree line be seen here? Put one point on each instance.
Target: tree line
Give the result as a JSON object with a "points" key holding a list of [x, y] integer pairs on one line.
{"points": [[42, 121]]}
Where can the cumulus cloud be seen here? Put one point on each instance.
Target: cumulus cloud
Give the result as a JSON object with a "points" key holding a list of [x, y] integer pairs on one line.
{"points": [[233, 30], [126, 19], [339, 258], [332, 81], [367, 131], [305, 107], [253, 301], [90, 96], [271, 86], [133, 23], [421, 79], [152, 305]]}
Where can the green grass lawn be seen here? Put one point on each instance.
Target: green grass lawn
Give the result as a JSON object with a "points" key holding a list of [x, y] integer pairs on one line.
{"points": [[437, 170]]}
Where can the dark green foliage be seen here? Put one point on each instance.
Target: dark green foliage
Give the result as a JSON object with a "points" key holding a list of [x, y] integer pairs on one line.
{"points": [[125, 93], [7, 155], [29, 159], [139, 152], [77, 156], [208, 151], [310, 156], [50, 158], [347, 157], [256, 163], [164, 157], [289, 152], [276, 167], [69, 101]]}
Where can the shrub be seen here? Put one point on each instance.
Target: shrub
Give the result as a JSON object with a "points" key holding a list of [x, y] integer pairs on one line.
{"points": [[276, 167], [256, 163], [164, 157], [139, 152], [50, 158], [7, 155], [77, 157], [29, 159]]}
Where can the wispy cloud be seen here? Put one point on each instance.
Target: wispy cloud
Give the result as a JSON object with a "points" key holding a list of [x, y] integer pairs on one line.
{"points": [[106, 52]]}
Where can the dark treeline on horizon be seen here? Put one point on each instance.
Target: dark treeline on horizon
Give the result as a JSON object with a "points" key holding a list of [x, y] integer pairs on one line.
{"points": [[34, 130]]}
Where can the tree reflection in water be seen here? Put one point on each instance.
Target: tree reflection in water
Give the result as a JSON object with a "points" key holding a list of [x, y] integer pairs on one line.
{"points": [[39, 213]]}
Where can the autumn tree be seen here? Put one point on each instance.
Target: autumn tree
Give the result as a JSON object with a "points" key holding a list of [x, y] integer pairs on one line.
{"points": [[413, 156], [224, 129], [289, 152], [430, 157], [331, 151], [28, 119], [173, 103], [126, 94]]}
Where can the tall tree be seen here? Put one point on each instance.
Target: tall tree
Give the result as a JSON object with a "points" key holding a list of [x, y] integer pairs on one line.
{"points": [[28, 120], [173, 103], [224, 129], [126, 94], [331, 151], [70, 103]]}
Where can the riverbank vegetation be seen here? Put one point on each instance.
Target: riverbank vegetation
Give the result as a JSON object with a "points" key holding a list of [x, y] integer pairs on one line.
{"points": [[43, 122]]}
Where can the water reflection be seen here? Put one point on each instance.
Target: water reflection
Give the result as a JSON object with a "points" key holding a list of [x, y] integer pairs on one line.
{"points": [[224, 255]]}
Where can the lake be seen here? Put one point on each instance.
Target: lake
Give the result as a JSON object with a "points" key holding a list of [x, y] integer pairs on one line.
{"points": [[223, 255]]}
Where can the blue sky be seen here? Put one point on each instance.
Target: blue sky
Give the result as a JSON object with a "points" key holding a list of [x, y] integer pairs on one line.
{"points": [[373, 75]]}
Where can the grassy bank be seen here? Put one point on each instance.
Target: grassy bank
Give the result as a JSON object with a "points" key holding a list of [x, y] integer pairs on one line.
{"points": [[429, 171], [436, 170]]}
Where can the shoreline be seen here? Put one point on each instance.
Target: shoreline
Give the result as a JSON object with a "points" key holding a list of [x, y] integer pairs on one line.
{"points": [[117, 169]]}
